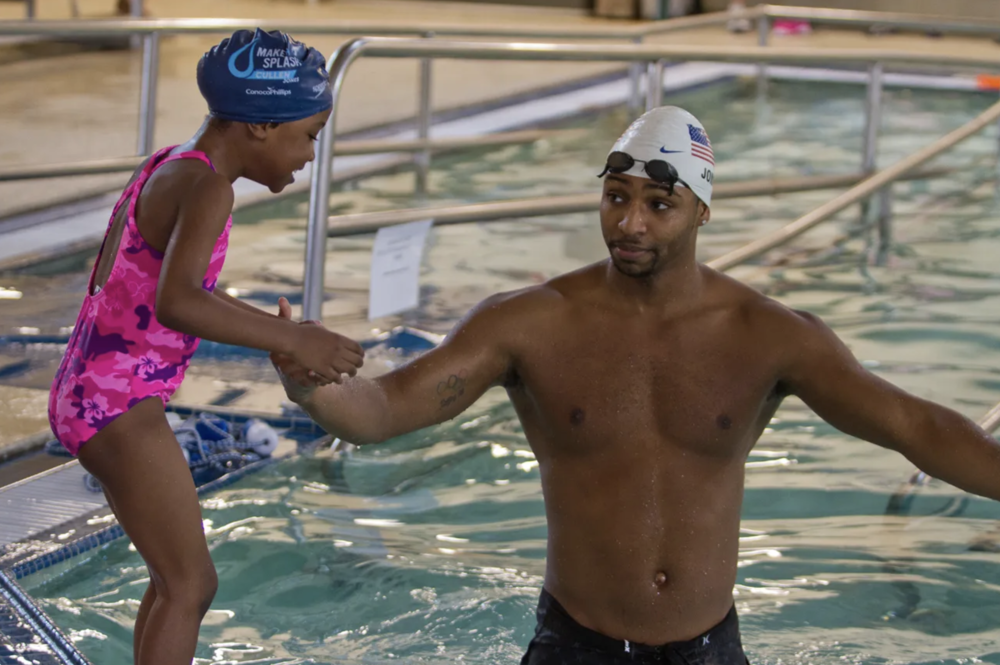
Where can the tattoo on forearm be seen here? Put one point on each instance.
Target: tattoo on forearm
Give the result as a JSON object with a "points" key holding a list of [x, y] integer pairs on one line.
{"points": [[451, 389]]}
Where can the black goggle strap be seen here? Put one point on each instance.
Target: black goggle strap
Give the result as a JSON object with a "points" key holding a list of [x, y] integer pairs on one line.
{"points": [[620, 162], [670, 183]]}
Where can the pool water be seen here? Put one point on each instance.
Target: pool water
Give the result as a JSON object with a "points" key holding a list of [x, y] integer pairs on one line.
{"points": [[430, 548]]}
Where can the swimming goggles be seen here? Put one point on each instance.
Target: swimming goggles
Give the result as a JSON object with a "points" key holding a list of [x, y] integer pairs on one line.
{"points": [[657, 169]]}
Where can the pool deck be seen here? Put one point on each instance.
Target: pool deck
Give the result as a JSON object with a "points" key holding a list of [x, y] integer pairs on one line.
{"points": [[46, 501]]}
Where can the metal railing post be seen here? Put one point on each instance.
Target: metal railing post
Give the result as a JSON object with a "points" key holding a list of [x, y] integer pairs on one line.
{"points": [[869, 161], [654, 84], [136, 12], [873, 117], [635, 82], [884, 225], [29, 9], [314, 271], [423, 159], [147, 93], [763, 38]]}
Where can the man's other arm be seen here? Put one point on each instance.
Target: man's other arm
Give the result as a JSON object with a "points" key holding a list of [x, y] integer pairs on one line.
{"points": [[939, 441]]}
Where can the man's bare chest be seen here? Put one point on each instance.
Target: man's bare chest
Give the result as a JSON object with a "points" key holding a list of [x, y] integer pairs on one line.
{"points": [[706, 392]]}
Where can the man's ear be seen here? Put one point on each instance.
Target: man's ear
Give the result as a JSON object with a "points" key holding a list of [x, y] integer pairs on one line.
{"points": [[704, 213]]}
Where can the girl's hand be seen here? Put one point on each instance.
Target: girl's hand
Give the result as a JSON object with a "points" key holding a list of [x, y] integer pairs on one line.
{"points": [[325, 353], [299, 383], [321, 357]]}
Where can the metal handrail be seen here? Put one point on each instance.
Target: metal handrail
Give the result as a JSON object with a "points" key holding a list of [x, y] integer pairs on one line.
{"points": [[344, 149], [859, 192], [392, 47], [990, 421], [493, 211], [341, 60], [93, 28]]}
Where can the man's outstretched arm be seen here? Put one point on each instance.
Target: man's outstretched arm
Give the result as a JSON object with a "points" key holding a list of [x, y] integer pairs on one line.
{"points": [[939, 441], [433, 388]]}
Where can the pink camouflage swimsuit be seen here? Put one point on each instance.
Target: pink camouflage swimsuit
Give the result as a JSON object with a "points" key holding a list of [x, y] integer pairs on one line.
{"points": [[119, 354]]}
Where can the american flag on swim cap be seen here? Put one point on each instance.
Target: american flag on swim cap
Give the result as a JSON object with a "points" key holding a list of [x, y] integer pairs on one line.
{"points": [[701, 147]]}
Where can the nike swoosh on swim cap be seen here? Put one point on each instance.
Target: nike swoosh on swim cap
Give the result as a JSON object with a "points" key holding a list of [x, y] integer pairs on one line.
{"points": [[668, 152]]}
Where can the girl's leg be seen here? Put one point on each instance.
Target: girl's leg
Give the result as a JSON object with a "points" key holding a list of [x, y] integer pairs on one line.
{"points": [[148, 599], [138, 461]]}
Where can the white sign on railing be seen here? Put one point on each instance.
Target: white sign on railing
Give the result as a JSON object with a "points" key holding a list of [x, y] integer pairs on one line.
{"points": [[395, 274]]}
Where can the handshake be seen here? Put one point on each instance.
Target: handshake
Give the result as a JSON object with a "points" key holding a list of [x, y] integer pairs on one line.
{"points": [[318, 357]]}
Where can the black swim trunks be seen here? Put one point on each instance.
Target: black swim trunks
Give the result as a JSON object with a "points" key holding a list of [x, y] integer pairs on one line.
{"points": [[559, 639]]}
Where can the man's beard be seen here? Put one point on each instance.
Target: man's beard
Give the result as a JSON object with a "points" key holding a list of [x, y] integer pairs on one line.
{"points": [[642, 270]]}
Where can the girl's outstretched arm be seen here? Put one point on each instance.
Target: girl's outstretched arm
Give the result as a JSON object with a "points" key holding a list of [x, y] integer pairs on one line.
{"points": [[184, 305], [236, 302]]}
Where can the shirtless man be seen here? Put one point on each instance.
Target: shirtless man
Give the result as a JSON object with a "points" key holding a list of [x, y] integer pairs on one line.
{"points": [[642, 383]]}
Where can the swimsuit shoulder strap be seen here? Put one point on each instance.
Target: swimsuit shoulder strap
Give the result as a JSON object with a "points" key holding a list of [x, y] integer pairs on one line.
{"points": [[187, 154]]}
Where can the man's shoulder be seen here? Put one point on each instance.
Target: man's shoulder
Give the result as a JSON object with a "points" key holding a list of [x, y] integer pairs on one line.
{"points": [[761, 312], [520, 304], [536, 304]]}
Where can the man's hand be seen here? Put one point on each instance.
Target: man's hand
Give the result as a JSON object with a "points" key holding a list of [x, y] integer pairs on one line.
{"points": [[469, 361], [298, 381]]}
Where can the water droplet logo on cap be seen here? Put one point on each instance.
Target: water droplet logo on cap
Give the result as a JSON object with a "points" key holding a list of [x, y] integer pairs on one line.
{"points": [[270, 60], [242, 73]]}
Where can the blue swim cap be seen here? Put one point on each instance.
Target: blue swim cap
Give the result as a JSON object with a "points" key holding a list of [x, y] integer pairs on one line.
{"points": [[261, 77]]}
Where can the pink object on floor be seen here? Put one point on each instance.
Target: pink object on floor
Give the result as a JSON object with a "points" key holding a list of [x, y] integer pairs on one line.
{"points": [[787, 27]]}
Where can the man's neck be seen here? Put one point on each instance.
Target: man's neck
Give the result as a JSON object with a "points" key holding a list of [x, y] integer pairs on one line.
{"points": [[674, 286]]}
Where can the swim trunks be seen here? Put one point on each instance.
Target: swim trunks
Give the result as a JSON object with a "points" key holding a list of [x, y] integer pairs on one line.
{"points": [[119, 353], [560, 639]]}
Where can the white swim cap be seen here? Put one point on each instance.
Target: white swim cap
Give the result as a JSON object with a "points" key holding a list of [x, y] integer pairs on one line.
{"points": [[673, 135]]}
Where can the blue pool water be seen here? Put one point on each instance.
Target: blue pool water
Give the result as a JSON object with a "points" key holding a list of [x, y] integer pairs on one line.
{"points": [[430, 548]]}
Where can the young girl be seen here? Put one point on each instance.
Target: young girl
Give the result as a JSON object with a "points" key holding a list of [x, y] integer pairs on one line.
{"points": [[151, 297]]}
